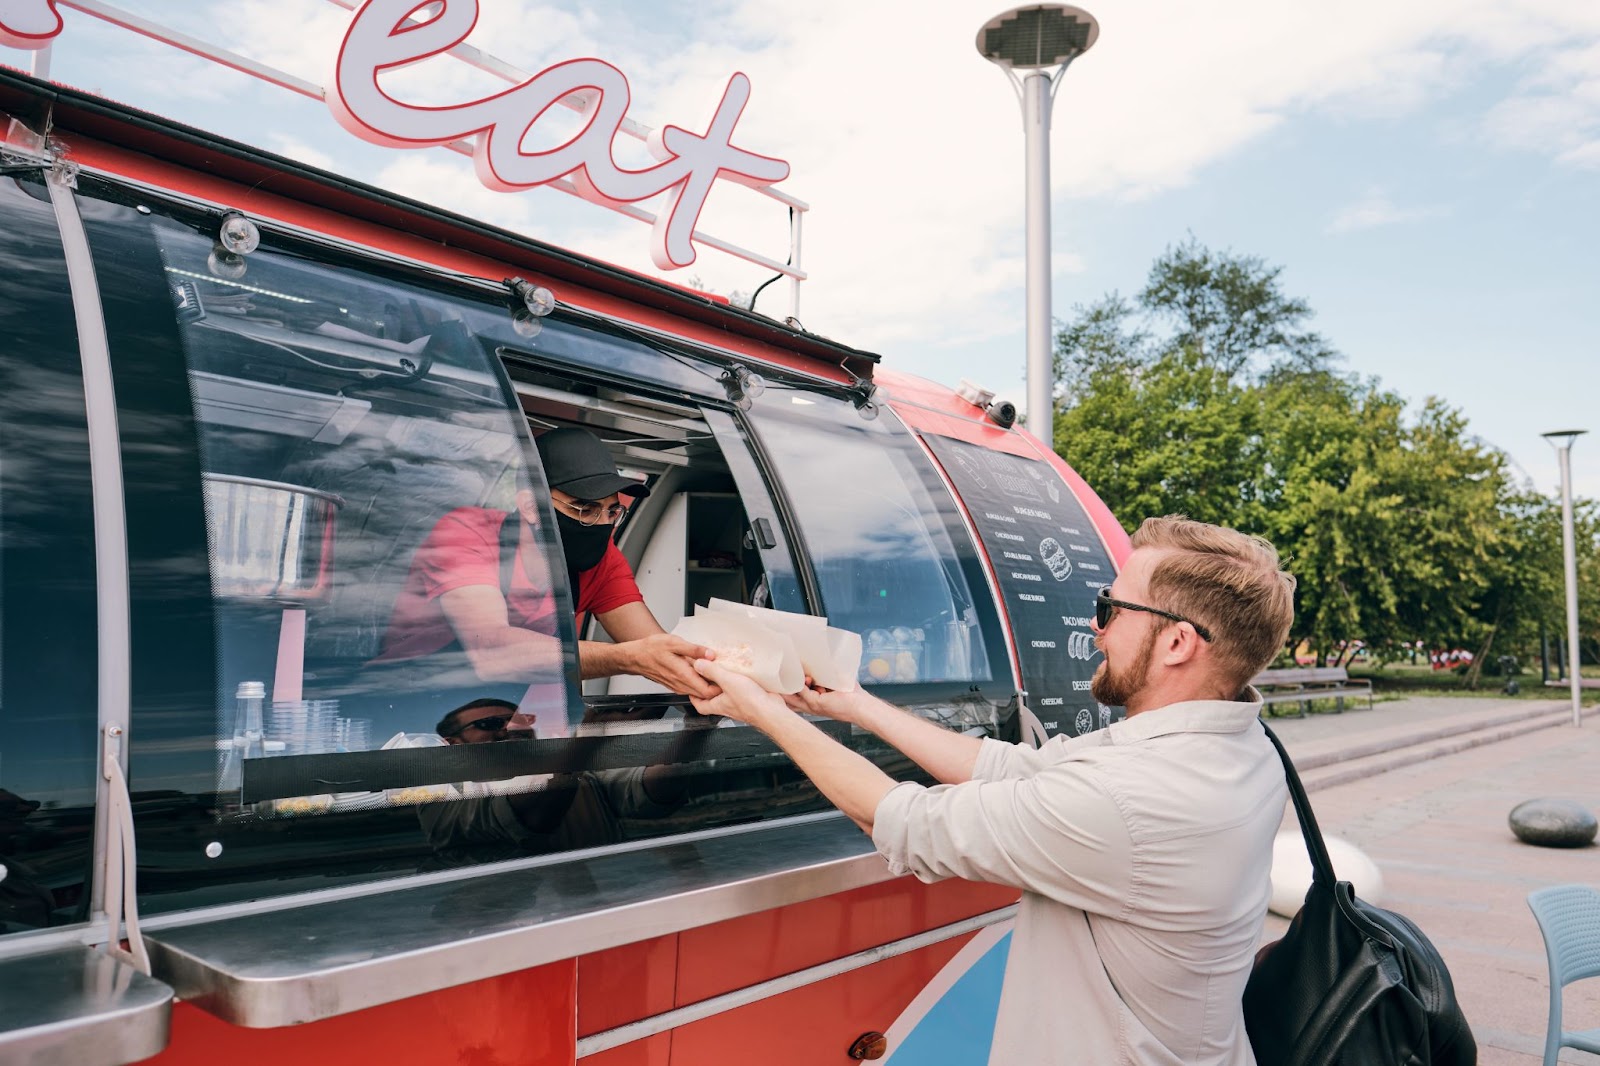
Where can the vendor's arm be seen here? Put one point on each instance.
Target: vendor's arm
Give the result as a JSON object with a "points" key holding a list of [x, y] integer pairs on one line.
{"points": [[642, 647], [948, 756], [498, 650], [849, 781]]}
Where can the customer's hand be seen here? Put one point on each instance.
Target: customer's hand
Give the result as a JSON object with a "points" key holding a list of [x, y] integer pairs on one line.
{"points": [[737, 696]]}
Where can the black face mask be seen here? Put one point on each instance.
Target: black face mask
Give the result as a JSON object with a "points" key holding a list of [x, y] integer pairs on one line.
{"points": [[584, 546]]}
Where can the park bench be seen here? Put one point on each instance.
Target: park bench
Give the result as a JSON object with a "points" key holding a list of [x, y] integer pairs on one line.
{"points": [[1303, 684]]}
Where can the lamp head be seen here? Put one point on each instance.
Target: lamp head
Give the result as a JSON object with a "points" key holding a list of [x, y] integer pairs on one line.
{"points": [[1563, 438], [1037, 37]]}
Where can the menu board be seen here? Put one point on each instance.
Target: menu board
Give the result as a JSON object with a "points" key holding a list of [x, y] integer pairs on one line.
{"points": [[1050, 564]]}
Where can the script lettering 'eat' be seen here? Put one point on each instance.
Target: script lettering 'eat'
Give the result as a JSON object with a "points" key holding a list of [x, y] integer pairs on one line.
{"points": [[28, 23], [381, 39]]}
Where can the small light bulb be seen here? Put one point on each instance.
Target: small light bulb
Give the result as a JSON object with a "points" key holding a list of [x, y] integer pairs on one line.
{"points": [[526, 323], [754, 385], [868, 411], [742, 400], [238, 234], [226, 265], [540, 300]]}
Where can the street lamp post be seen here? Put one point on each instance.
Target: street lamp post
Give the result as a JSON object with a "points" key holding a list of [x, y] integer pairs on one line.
{"points": [[1561, 440], [1036, 39]]}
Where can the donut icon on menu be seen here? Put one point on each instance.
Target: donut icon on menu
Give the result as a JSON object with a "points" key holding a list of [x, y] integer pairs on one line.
{"points": [[1084, 721], [1055, 557]]}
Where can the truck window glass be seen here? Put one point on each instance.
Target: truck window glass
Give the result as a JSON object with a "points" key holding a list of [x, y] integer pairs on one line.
{"points": [[891, 557], [48, 690]]}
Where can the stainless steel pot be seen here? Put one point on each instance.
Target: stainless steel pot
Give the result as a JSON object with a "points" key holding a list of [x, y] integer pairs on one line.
{"points": [[269, 541]]}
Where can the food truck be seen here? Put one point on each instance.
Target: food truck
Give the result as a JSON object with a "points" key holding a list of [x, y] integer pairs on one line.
{"points": [[239, 394]]}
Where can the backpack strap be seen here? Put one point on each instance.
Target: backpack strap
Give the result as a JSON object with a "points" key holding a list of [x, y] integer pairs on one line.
{"points": [[1321, 865]]}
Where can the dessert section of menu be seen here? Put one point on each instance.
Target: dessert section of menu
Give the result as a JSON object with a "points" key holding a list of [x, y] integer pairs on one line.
{"points": [[1050, 564]]}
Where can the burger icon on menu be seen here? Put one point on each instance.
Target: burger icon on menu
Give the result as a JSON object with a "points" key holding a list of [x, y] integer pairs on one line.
{"points": [[1055, 557]]}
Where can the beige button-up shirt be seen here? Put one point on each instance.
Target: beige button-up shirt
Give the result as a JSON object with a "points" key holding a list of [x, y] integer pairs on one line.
{"points": [[1142, 852]]}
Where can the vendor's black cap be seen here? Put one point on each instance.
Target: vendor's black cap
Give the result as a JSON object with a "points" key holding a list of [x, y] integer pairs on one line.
{"points": [[578, 463]]}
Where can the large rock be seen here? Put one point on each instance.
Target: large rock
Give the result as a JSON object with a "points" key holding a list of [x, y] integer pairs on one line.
{"points": [[1291, 871], [1553, 823]]}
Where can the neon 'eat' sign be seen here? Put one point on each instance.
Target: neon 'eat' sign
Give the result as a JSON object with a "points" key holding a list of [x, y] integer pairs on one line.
{"points": [[386, 35]]}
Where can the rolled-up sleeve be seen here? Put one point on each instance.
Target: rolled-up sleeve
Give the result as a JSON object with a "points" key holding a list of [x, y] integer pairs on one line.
{"points": [[1057, 833]]}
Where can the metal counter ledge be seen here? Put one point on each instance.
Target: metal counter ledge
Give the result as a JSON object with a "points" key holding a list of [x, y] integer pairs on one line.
{"points": [[80, 1006], [289, 964]]}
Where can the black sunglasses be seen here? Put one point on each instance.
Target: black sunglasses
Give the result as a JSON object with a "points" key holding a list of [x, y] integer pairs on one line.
{"points": [[1105, 607], [489, 725]]}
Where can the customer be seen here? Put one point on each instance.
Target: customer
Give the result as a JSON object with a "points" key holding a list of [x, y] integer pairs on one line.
{"points": [[1142, 851]]}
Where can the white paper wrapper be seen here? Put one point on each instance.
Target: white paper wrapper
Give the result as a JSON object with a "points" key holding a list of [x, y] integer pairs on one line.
{"points": [[830, 657], [763, 654]]}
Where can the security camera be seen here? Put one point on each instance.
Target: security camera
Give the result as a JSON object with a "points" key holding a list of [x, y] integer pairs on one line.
{"points": [[1002, 413]]}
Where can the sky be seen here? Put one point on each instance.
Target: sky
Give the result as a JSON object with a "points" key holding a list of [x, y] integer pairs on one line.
{"points": [[1425, 172]]}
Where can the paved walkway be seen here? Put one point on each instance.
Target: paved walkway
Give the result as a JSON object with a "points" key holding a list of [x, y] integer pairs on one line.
{"points": [[1437, 829]]}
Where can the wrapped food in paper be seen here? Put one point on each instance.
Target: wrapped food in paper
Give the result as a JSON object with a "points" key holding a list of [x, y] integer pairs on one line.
{"points": [[831, 657], [765, 655]]}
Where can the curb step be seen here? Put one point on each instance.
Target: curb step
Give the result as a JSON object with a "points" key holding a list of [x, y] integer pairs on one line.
{"points": [[1353, 765], [1311, 760]]}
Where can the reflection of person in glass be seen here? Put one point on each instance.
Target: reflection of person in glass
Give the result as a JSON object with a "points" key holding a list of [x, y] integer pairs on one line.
{"points": [[479, 583], [533, 816], [24, 903]]}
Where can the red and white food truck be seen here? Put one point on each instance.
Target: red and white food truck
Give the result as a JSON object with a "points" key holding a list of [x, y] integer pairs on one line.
{"points": [[238, 394]]}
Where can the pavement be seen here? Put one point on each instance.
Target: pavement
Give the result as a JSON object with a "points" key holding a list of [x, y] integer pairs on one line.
{"points": [[1423, 786]]}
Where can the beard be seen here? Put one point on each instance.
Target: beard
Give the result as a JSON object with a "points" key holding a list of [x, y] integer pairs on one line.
{"points": [[1114, 687]]}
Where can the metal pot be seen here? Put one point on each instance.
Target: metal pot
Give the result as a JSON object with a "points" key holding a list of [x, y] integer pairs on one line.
{"points": [[269, 541]]}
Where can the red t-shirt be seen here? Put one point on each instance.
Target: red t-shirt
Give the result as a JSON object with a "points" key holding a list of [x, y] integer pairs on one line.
{"points": [[464, 549]]}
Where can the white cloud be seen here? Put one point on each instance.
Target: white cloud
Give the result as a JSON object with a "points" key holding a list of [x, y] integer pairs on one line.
{"points": [[908, 145], [1375, 209]]}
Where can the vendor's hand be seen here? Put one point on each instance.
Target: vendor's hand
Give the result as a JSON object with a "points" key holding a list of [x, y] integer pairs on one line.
{"points": [[844, 707], [739, 697], [668, 660]]}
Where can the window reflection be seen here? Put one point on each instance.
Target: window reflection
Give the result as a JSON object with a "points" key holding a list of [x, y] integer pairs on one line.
{"points": [[48, 695], [341, 418], [880, 534]]}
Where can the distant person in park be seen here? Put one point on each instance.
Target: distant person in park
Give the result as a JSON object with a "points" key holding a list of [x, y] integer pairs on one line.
{"points": [[1142, 850]]}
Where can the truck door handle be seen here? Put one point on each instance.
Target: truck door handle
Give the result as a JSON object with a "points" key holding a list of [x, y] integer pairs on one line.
{"points": [[763, 531]]}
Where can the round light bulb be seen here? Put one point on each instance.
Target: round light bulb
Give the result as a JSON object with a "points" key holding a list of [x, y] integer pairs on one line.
{"points": [[868, 411], [239, 235], [540, 300], [754, 385]]}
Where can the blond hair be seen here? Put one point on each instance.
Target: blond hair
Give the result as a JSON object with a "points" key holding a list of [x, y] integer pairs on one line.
{"points": [[1227, 581]]}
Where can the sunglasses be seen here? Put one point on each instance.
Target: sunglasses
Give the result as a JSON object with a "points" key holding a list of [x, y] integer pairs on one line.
{"points": [[492, 724], [1105, 607]]}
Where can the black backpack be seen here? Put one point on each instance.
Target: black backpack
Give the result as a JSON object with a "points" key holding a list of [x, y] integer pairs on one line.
{"points": [[1350, 983]]}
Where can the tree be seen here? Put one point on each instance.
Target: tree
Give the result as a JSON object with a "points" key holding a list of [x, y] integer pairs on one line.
{"points": [[1206, 395]]}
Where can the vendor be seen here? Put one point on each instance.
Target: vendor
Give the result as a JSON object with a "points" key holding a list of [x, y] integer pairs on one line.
{"points": [[479, 583]]}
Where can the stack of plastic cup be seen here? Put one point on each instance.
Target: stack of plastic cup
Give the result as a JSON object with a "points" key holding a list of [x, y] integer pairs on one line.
{"points": [[352, 734], [305, 727]]}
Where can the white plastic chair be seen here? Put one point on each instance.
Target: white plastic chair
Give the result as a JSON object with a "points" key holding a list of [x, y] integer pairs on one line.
{"points": [[1569, 918]]}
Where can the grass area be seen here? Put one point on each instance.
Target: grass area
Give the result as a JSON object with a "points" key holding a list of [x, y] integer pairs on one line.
{"points": [[1399, 680]]}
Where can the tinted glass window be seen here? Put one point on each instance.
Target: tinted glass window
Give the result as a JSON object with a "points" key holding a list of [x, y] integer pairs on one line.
{"points": [[891, 557], [48, 694], [316, 457]]}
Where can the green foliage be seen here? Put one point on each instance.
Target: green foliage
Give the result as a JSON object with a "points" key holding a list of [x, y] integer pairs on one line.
{"points": [[1207, 395]]}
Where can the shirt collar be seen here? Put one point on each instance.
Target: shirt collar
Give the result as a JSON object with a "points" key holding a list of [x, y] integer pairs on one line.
{"points": [[1191, 716]]}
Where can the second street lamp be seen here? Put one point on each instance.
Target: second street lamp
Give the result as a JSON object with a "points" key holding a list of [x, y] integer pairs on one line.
{"points": [[1036, 39], [1561, 440]]}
